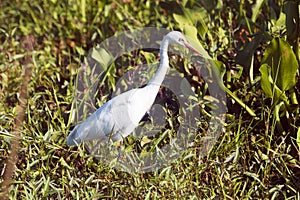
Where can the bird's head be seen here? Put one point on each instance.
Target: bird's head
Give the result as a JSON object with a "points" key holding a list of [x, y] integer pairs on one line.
{"points": [[178, 38]]}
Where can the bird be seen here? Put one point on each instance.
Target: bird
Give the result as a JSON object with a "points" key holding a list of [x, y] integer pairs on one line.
{"points": [[118, 117]]}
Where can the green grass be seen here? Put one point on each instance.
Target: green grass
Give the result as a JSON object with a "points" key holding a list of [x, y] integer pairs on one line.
{"points": [[252, 158]]}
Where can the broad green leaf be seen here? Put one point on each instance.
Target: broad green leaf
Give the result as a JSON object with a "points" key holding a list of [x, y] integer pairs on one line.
{"points": [[197, 17], [193, 18], [256, 9], [182, 20], [191, 33], [279, 23], [267, 84], [284, 65], [265, 70], [101, 56]]}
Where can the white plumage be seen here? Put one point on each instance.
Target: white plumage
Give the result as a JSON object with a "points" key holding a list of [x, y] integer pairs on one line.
{"points": [[118, 117]]}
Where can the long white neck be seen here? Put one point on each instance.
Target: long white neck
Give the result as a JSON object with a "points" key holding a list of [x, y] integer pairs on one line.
{"points": [[159, 76]]}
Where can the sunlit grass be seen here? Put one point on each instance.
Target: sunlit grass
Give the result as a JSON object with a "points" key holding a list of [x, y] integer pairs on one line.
{"points": [[250, 159]]}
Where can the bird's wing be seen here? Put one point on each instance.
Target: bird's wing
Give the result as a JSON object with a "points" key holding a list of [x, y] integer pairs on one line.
{"points": [[122, 114], [117, 118], [110, 120], [139, 102]]}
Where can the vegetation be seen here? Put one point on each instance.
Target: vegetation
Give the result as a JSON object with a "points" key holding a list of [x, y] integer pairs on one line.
{"points": [[256, 43]]}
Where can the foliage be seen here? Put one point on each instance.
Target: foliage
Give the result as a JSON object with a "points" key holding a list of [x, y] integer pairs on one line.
{"points": [[278, 75], [253, 44]]}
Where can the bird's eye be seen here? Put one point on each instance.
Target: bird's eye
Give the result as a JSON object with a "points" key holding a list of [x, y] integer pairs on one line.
{"points": [[180, 40]]}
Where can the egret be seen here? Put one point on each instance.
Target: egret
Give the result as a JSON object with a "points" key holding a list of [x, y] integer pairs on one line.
{"points": [[118, 117]]}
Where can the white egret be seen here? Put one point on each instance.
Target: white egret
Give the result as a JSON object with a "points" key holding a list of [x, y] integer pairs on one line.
{"points": [[118, 117]]}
